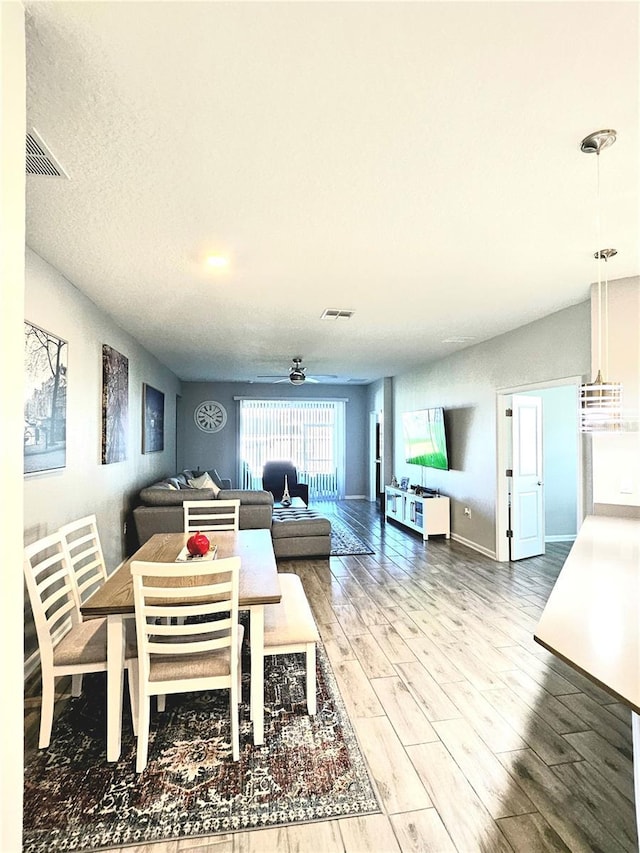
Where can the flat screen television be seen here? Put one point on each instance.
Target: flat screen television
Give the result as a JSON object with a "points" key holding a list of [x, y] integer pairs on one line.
{"points": [[425, 440]]}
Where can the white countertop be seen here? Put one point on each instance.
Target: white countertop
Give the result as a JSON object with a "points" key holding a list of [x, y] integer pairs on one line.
{"points": [[592, 617]]}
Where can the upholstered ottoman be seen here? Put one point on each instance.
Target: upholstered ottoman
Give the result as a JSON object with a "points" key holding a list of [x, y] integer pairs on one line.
{"points": [[300, 533]]}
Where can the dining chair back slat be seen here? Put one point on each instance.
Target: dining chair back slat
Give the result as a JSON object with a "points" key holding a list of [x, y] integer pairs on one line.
{"points": [[204, 516], [67, 645], [84, 553], [189, 637]]}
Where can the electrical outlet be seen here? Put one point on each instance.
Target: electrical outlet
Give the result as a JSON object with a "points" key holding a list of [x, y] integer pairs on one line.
{"points": [[467, 511], [124, 529]]}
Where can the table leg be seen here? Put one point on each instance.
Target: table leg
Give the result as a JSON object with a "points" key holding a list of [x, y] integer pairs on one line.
{"points": [[115, 680], [257, 673], [635, 732]]}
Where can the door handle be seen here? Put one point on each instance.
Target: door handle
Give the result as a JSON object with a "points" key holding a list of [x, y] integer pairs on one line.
{"points": [[539, 482]]}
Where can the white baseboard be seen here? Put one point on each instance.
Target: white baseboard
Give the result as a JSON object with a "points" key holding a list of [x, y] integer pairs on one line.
{"points": [[474, 546], [355, 498], [561, 538]]}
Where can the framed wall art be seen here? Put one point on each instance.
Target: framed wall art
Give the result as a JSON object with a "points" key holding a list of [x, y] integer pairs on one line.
{"points": [[45, 403], [115, 405], [152, 419]]}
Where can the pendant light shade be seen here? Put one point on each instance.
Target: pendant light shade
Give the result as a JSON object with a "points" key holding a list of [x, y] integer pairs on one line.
{"points": [[601, 400], [600, 405]]}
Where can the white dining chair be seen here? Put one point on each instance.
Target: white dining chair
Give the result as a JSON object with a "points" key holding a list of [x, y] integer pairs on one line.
{"points": [[67, 644], [189, 638], [289, 627], [84, 553], [207, 516]]}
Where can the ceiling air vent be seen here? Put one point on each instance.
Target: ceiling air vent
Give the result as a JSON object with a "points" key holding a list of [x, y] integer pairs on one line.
{"points": [[336, 314], [40, 160]]}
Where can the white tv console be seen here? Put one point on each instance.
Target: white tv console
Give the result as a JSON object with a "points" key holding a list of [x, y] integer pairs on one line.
{"points": [[426, 514]]}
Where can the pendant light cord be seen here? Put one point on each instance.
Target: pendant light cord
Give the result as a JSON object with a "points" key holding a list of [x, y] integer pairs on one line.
{"points": [[599, 236]]}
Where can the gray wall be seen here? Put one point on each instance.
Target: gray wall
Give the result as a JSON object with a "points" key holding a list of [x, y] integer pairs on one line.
{"points": [[380, 400], [84, 485], [465, 384], [197, 449]]}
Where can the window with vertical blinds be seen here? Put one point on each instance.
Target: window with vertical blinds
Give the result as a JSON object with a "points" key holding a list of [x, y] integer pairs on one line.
{"points": [[309, 433]]}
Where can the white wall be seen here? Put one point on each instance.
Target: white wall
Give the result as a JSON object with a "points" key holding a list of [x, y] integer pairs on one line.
{"points": [[12, 96], [616, 456]]}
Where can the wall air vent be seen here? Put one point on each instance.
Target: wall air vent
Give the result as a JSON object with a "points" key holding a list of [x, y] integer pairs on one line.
{"points": [[459, 339], [40, 160], [336, 314]]}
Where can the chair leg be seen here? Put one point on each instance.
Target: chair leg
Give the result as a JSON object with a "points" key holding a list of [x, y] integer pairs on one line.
{"points": [[76, 684], [240, 636], [46, 711], [132, 679], [142, 747], [311, 678], [235, 725]]}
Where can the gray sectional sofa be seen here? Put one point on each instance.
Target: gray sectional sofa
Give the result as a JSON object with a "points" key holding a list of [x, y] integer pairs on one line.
{"points": [[160, 507]]}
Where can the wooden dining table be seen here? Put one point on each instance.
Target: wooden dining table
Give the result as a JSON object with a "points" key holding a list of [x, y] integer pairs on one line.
{"points": [[259, 585]]}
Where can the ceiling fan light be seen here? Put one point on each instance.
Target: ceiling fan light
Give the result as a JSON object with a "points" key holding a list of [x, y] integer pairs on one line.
{"points": [[296, 376]]}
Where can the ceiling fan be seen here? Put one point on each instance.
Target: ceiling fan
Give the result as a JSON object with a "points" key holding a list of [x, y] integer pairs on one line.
{"points": [[297, 374]]}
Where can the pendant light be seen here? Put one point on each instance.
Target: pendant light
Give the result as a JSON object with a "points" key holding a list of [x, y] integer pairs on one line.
{"points": [[601, 400]]}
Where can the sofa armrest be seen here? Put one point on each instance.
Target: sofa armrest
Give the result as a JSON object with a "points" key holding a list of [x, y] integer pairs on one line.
{"points": [[301, 491]]}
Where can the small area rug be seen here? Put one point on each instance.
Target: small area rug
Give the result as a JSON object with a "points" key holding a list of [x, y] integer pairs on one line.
{"points": [[344, 541], [309, 769]]}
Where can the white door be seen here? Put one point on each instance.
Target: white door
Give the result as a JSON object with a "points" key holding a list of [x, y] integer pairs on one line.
{"points": [[373, 422], [527, 503]]}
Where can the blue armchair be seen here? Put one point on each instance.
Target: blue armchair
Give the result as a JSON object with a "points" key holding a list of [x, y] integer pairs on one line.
{"points": [[273, 474]]}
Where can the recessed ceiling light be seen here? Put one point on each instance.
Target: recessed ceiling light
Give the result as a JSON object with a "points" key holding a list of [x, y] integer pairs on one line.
{"points": [[217, 261]]}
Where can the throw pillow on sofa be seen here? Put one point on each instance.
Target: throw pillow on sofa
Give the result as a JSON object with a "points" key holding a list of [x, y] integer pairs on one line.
{"points": [[204, 481]]}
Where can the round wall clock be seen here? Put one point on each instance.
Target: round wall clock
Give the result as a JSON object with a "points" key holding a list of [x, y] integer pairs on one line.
{"points": [[210, 416]]}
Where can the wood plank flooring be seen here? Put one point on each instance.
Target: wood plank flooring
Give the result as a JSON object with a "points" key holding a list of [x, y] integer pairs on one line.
{"points": [[476, 737]]}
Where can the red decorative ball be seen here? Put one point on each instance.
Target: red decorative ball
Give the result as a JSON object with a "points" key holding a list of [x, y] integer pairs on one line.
{"points": [[198, 545]]}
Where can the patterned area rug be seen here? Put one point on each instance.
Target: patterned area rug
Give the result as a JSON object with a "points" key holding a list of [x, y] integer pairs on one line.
{"points": [[344, 541], [309, 768]]}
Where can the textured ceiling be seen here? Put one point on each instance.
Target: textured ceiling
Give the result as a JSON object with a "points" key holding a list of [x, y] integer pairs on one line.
{"points": [[417, 163]]}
